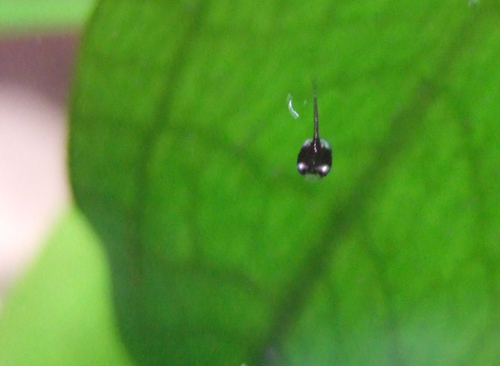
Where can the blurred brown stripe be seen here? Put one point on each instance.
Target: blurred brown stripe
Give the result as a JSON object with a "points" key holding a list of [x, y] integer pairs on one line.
{"points": [[43, 63]]}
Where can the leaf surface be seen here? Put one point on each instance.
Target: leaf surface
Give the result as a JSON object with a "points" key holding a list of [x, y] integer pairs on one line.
{"points": [[182, 156]]}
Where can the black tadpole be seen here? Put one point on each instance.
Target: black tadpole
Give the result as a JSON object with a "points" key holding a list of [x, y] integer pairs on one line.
{"points": [[315, 155]]}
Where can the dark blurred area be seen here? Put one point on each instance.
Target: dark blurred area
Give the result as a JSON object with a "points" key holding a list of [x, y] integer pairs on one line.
{"points": [[43, 63]]}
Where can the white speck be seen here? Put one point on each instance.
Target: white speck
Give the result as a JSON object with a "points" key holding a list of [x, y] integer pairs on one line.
{"points": [[290, 107], [301, 167], [324, 169]]}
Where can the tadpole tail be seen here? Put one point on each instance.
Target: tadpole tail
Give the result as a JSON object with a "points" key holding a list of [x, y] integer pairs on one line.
{"points": [[316, 118]]}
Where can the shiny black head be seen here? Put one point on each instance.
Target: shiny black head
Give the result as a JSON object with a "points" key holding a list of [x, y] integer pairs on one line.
{"points": [[315, 155]]}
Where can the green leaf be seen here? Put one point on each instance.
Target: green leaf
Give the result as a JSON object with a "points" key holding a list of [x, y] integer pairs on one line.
{"points": [[60, 312], [182, 156]]}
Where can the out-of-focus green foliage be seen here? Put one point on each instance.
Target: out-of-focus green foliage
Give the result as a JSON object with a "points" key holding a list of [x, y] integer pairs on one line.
{"points": [[26, 15], [60, 313]]}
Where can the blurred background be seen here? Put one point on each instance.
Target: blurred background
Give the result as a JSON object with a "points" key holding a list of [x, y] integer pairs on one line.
{"points": [[38, 49]]}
